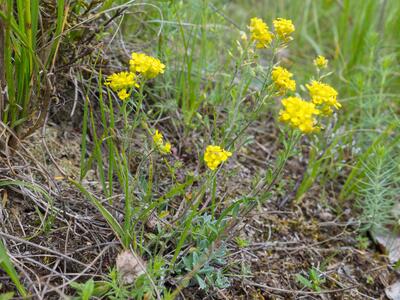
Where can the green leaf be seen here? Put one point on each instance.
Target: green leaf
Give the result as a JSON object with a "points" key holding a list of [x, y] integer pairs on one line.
{"points": [[7, 296], [88, 289], [304, 281], [314, 275], [201, 282], [76, 286]]}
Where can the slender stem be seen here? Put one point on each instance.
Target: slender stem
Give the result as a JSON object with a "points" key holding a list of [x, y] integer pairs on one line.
{"points": [[213, 196]]}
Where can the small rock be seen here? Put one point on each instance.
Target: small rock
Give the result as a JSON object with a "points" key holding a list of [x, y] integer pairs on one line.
{"points": [[390, 244], [393, 291], [129, 266], [326, 216]]}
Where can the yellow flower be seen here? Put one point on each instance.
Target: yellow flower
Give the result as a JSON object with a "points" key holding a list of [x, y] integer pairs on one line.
{"points": [[121, 81], [166, 148], [149, 67], [215, 155], [282, 79], [299, 114], [324, 95], [158, 140], [283, 28], [321, 62], [123, 94], [260, 33]]}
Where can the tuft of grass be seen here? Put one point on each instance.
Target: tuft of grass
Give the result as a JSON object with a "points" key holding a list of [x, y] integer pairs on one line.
{"points": [[27, 89]]}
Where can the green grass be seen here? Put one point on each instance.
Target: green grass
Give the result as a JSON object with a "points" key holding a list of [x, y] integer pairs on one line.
{"points": [[7, 266], [27, 64]]}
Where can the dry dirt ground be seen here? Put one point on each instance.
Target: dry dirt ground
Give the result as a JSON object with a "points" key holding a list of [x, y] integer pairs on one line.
{"points": [[51, 249]]}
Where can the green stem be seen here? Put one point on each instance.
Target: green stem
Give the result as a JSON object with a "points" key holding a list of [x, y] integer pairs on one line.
{"points": [[213, 196]]}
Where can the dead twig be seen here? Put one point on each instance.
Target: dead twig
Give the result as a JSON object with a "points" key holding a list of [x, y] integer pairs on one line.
{"points": [[17, 239]]}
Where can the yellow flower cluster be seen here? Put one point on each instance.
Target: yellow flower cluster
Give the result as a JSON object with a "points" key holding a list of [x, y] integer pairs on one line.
{"points": [[282, 79], [149, 67], [263, 37], [299, 114], [320, 62], [283, 28], [260, 33], [158, 139], [215, 155], [121, 83], [324, 95]]}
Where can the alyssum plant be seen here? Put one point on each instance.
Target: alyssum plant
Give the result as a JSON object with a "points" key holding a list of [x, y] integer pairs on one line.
{"points": [[184, 233]]}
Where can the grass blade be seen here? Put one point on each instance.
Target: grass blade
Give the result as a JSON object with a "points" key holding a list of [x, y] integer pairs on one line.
{"points": [[7, 266]]}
